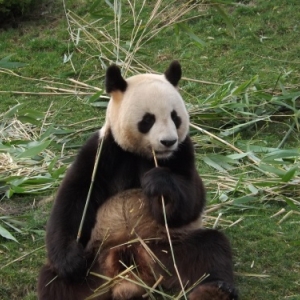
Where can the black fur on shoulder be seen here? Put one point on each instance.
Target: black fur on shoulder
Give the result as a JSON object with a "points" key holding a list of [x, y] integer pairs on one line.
{"points": [[173, 73], [114, 80]]}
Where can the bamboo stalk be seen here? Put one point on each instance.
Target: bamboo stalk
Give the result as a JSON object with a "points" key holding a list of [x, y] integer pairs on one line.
{"points": [[168, 234], [90, 188], [251, 157], [84, 84]]}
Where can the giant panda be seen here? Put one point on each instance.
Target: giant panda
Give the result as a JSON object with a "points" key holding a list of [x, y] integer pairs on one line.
{"points": [[145, 114]]}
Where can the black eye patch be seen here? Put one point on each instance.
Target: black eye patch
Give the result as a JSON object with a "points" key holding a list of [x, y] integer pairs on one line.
{"points": [[176, 119], [146, 123]]}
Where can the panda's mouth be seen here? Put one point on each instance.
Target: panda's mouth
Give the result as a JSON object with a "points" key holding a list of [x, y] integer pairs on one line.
{"points": [[164, 153]]}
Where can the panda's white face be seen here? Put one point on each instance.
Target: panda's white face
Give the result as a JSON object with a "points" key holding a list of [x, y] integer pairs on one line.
{"points": [[149, 114]]}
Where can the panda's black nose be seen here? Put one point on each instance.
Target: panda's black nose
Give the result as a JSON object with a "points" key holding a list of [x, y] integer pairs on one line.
{"points": [[168, 143]]}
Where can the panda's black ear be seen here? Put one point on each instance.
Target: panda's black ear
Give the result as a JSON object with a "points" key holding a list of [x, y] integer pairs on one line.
{"points": [[173, 73], [114, 80]]}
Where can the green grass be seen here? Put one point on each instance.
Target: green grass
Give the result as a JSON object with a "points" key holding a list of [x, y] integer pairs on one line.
{"points": [[263, 247], [257, 117]]}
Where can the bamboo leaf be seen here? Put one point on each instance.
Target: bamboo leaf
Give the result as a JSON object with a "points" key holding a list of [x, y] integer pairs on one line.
{"points": [[184, 28], [34, 148], [58, 172], [238, 156], [290, 174], [243, 87], [253, 189], [277, 156], [28, 119], [11, 112], [7, 223], [290, 203], [219, 162], [102, 104], [244, 199], [271, 169], [6, 64], [226, 19], [95, 97], [6, 234], [213, 164]]}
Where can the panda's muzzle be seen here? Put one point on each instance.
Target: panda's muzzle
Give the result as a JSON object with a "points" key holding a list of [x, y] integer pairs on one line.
{"points": [[168, 143]]}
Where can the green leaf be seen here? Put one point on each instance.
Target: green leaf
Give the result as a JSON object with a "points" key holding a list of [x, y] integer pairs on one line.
{"points": [[4, 148], [94, 5], [34, 148], [238, 156], [219, 162], [223, 197], [226, 19], [95, 97], [10, 224], [6, 234], [16, 180], [289, 96], [256, 148], [58, 172], [277, 156], [253, 189], [30, 116], [213, 164], [18, 190], [184, 28], [243, 87], [100, 15], [6, 64], [48, 132], [39, 180], [27, 119], [102, 104], [267, 183], [290, 203], [52, 164], [244, 199], [109, 4], [239, 127], [12, 111], [9, 193], [33, 114], [271, 169], [295, 243], [290, 174]]}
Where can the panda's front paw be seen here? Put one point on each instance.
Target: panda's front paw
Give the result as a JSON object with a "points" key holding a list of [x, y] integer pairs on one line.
{"points": [[158, 182]]}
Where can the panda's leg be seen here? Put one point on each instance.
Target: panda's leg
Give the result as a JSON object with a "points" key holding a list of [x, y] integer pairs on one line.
{"points": [[51, 287], [204, 252], [117, 260]]}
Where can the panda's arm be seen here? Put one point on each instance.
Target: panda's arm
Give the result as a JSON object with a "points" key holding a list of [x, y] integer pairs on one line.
{"points": [[178, 181], [64, 253]]}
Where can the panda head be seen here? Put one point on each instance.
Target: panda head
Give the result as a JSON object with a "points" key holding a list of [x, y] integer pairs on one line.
{"points": [[146, 112]]}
